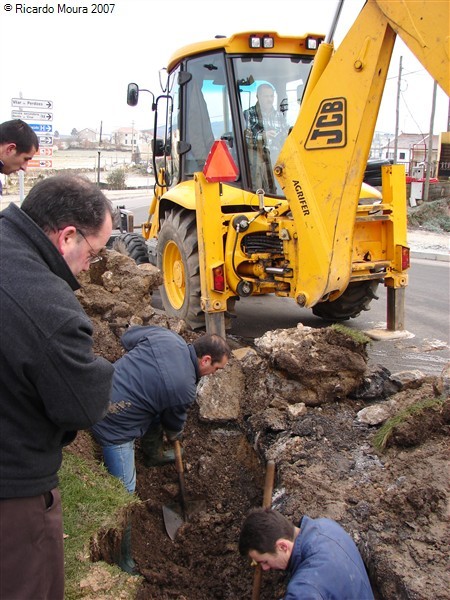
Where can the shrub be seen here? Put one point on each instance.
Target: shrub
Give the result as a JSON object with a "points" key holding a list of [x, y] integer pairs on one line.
{"points": [[117, 179]]}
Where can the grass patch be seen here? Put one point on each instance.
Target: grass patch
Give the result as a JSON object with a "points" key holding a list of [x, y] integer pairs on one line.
{"points": [[382, 437], [91, 499], [356, 335]]}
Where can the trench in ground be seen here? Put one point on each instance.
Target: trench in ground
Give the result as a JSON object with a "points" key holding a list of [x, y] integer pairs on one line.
{"points": [[203, 562]]}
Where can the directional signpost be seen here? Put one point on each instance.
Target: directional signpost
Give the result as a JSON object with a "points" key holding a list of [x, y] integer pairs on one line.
{"points": [[30, 104], [41, 127], [32, 116], [44, 164], [45, 140], [44, 152], [33, 110]]}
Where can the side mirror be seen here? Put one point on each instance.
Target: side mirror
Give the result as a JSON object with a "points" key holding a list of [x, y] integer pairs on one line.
{"points": [[157, 147], [132, 94]]}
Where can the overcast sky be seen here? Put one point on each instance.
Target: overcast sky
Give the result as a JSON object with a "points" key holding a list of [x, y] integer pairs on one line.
{"points": [[83, 62]]}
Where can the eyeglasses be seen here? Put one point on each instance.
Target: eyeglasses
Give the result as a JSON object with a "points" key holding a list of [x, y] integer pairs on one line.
{"points": [[94, 257]]}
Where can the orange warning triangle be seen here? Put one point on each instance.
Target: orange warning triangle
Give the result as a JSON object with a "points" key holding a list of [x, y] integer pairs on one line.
{"points": [[220, 165]]}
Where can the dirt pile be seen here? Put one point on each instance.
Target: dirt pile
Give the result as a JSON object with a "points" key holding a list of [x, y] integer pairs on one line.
{"points": [[306, 399]]}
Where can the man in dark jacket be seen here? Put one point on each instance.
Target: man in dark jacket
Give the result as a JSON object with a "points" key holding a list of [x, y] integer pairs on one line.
{"points": [[51, 383], [18, 145], [154, 384], [321, 558]]}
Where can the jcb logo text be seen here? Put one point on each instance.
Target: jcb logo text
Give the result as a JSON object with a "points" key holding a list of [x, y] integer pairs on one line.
{"points": [[330, 125]]}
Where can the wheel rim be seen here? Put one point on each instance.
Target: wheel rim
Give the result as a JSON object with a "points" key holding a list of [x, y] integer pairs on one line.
{"points": [[174, 275]]}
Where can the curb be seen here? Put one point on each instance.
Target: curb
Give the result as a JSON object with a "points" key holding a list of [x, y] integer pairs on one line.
{"points": [[430, 255]]}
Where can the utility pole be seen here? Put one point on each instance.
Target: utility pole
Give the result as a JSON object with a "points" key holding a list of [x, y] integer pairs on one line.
{"points": [[397, 112], [98, 154], [426, 189]]}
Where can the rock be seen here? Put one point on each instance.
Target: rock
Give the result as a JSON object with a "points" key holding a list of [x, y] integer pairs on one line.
{"points": [[297, 410], [219, 396], [376, 414], [409, 379], [377, 385], [326, 362], [443, 383]]}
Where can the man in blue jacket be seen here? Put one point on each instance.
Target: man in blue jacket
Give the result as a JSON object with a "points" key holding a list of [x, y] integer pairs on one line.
{"points": [[321, 558], [51, 383], [154, 385]]}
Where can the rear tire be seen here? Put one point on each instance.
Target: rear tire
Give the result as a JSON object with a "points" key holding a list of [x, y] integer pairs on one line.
{"points": [[132, 245], [177, 259], [349, 305]]}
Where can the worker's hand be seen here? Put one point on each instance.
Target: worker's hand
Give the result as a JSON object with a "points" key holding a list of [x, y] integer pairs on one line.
{"points": [[173, 436]]}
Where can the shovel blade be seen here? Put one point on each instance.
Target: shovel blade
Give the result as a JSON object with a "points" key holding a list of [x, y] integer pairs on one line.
{"points": [[173, 519], [173, 514]]}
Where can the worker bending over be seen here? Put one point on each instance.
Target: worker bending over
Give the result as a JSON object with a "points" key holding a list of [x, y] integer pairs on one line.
{"points": [[321, 558], [154, 384]]}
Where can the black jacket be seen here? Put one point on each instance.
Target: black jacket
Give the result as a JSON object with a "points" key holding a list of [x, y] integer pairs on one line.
{"points": [[155, 380], [51, 383]]}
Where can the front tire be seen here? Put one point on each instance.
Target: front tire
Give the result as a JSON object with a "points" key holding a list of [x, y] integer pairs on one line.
{"points": [[177, 259], [132, 245], [349, 305]]}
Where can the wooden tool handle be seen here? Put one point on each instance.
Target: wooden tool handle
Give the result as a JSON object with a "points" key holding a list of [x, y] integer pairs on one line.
{"points": [[267, 502], [178, 458], [268, 485], [180, 471]]}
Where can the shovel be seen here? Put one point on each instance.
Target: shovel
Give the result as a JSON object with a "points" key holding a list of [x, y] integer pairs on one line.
{"points": [[178, 513], [267, 503]]}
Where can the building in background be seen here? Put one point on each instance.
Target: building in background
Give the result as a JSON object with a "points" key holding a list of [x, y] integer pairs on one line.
{"points": [[412, 151]]}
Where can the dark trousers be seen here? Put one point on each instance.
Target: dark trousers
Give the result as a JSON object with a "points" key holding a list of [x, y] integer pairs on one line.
{"points": [[31, 548]]}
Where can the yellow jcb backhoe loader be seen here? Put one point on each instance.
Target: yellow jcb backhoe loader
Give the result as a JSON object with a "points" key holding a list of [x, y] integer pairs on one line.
{"points": [[251, 201]]}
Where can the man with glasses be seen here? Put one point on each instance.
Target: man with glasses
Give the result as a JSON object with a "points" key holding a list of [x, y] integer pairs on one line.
{"points": [[18, 145], [51, 383]]}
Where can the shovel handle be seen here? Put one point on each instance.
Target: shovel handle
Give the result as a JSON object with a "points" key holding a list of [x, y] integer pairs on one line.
{"points": [[178, 458], [268, 485], [267, 503], [180, 471]]}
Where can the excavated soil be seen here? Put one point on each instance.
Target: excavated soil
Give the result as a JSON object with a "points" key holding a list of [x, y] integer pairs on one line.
{"points": [[295, 399]]}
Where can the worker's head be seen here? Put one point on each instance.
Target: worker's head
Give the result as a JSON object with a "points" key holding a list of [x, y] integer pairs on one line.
{"points": [[266, 96], [18, 145], [212, 352], [75, 214], [267, 537]]}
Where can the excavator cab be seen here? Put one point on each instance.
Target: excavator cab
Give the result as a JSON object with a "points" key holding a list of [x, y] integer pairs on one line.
{"points": [[250, 101]]}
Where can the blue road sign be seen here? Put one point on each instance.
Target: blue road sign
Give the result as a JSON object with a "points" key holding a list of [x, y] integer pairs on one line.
{"points": [[41, 127]]}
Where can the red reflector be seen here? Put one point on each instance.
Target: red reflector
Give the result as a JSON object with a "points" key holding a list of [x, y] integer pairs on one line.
{"points": [[220, 165], [405, 258], [219, 279]]}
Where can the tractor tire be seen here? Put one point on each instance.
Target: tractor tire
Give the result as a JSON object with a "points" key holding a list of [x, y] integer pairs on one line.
{"points": [[177, 259], [349, 305], [132, 245]]}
